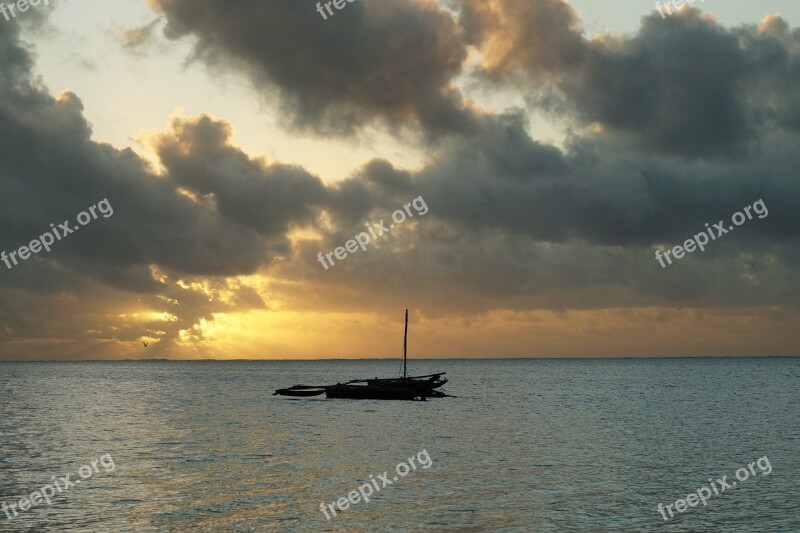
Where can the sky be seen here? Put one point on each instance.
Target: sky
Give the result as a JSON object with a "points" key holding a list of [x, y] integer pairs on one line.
{"points": [[541, 155]]}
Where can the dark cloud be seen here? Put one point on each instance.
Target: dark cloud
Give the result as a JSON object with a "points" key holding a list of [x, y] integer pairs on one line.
{"points": [[15, 59], [266, 198], [392, 61], [681, 86], [517, 224], [774, 57], [541, 36]]}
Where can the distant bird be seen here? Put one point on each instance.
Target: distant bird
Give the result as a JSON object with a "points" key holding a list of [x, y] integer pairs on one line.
{"points": [[678, 309], [145, 344]]}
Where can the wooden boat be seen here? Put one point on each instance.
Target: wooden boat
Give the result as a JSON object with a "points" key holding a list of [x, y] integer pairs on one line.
{"points": [[404, 388], [407, 388]]}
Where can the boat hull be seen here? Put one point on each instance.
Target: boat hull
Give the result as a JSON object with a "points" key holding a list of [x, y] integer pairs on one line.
{"points": [[368, 392], [408, 388]]}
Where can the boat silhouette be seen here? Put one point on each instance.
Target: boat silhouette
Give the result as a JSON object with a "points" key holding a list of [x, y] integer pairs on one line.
{"points": [[404, 388]]}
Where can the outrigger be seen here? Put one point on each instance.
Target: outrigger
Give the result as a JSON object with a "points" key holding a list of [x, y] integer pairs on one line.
{"points": [[405, 388]]}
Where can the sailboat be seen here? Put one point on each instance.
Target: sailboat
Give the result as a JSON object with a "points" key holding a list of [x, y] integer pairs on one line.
{"points": [[404, 388]]}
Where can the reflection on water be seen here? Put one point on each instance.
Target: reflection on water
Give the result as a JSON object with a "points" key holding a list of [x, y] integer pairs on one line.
{"points": [[527, 446]]}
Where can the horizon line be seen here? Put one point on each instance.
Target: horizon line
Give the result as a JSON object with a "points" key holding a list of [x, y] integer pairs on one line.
{"points": [[600, 357]]}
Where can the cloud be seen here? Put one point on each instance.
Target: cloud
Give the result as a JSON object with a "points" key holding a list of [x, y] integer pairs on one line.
{"points": [[515, 224], [682, 86], [140, 40], [269, 199], [393, 62]]}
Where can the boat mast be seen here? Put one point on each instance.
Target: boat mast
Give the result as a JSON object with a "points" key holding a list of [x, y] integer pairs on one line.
{"points": [[405, 344]]}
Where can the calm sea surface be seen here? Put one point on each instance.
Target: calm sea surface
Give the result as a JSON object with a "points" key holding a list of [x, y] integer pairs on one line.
{"points": [[528, 445]]}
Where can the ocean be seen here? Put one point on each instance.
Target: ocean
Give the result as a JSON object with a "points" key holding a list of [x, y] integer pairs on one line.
{"points": [[526, 445]]}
